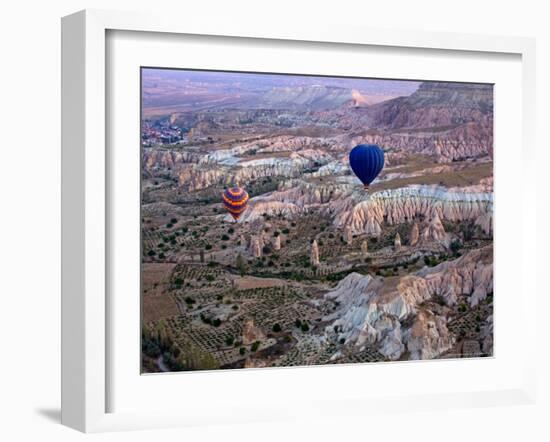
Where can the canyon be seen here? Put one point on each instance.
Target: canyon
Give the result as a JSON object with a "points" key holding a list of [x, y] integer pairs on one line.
{"points": [[317, 269]]}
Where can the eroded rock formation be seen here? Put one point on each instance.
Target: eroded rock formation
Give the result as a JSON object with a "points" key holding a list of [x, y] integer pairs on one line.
{"points": [[314, 254], [396, 206], [251, 333], [428, 336], [414, 235], [357, 213], [397, 242], [434, 231], [390, 316], [348, 235], [256, 244]]}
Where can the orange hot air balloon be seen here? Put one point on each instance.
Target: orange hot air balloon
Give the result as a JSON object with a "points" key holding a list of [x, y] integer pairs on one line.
{"points": [[235, 200]]}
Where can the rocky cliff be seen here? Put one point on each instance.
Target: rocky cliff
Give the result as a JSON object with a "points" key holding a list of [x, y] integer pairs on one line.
{"points": [[470, 140], [360, 212], [435, 231], [471, 274], [366, 213], [390, 315], [436, 104], [201, 176], [158, 159], [295, 197]]}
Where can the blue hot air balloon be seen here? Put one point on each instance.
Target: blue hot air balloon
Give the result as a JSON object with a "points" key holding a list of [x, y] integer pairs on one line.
{"points": [[366, 161]]}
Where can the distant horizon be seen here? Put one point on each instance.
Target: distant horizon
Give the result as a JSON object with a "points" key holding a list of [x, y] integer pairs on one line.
{"points": [[169, 87]]}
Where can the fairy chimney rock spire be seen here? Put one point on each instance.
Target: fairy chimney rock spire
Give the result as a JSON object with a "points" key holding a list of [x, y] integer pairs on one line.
{"points": [[348, 236], [256, 247], [397, 242], [314, 258], [415, 235]]}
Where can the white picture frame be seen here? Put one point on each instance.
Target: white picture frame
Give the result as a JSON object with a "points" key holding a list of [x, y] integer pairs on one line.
{"points": [[85, 217]]}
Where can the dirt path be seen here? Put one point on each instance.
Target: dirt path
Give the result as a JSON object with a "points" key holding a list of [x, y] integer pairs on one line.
{"points": [[253, 282]]}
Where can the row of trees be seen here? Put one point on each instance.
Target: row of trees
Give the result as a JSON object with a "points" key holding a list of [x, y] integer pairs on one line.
{"points": [[157, 342]]}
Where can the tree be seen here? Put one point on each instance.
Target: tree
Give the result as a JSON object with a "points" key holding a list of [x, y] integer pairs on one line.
{"points": [[277, 327], [192, 358], [455, 246], [305, 327], [242, 351], [241, 264], [255, 346]]}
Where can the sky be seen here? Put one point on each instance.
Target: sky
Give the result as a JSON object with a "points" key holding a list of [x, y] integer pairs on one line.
{"points": [[260, 81], [169, 87]]}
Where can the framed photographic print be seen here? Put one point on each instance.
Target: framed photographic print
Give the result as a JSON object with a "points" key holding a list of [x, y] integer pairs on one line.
{"points": [[293, 220], [259, 214]]}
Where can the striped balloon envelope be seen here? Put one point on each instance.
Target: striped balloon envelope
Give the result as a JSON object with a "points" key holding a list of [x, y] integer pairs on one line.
{"points": [[235, 200]]}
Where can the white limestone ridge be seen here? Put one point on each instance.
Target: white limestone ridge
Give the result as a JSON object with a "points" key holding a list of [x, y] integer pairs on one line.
{"points": [[294, 197], [336, 167], [365, 212], [401, 205], [212, 171], [370, 312], [471, 274], [158, 159]]}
